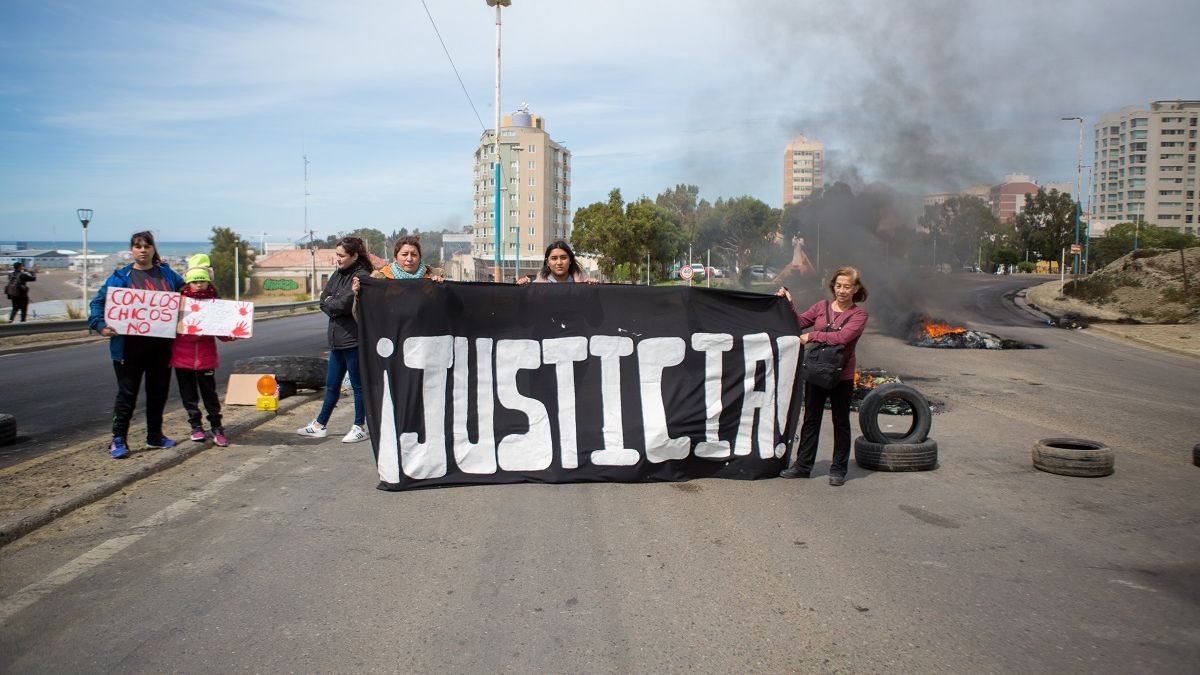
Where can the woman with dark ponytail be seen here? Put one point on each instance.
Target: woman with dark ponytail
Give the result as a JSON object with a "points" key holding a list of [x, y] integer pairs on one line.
{"points": [[138, 356], [337, 301]]}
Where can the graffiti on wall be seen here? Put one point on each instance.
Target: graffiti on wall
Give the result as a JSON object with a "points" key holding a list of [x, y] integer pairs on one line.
{"points": [[280, 285]]}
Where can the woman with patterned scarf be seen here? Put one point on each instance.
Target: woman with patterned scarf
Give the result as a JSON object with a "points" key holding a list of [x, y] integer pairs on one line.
{"points": [[407, 264]]}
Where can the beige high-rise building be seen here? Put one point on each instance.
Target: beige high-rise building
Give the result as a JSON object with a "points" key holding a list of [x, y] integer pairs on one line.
{"points": [[803, 169], [1145, 166], [535, 195]]}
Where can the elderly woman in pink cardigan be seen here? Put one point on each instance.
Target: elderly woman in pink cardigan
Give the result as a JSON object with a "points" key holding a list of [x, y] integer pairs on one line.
{"points": [[844, 326]]}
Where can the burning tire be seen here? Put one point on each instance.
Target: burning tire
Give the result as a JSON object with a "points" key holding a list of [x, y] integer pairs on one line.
{"points": [[894, 456], [1073, 457], [8, 429], [872, 404], [305, 372]]}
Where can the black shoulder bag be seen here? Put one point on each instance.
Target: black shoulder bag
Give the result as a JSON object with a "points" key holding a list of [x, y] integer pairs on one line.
{"points": [[823, 363]]}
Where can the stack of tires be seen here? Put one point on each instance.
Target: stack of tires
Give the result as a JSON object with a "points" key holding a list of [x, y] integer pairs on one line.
{"points": [[911, 450]]}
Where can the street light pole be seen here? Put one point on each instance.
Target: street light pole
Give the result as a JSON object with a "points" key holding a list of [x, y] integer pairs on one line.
{"points": [[85, 217], [1078, 180], [496, 139]]}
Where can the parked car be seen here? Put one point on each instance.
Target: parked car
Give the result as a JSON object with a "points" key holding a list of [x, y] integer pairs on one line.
{"points": [[717, 272], [761, 273]]}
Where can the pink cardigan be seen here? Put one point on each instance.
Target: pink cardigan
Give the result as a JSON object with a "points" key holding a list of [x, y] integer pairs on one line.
{"points": [[856, 322]]}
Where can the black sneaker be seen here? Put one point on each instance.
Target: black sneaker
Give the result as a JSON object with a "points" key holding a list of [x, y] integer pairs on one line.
{"points": [[793, 471], [836, 480]]}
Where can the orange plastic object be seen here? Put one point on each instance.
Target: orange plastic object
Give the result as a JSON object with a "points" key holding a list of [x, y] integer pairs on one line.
{"points": [[266, 385]]}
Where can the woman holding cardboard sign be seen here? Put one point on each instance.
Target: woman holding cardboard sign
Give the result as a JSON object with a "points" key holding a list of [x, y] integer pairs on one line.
{"points": [[841, 322], [137, 356]]}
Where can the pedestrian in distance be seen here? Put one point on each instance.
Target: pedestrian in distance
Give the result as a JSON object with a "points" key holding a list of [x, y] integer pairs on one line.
{"points": [[194, 358], [337, 301], [17, 290], [559, 267], [844, 326], [136, 357]]}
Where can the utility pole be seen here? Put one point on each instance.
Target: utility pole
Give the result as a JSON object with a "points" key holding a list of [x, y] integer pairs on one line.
{"points": [[496, 274], [1078, 187], [85, 217], [312, 295]]}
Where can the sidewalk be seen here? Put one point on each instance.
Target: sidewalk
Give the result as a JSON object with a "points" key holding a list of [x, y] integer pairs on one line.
{"points": [[1179, 339], [38, 491]]}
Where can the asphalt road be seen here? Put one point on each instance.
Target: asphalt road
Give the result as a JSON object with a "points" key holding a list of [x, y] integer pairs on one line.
{"points": [[277, 555], [64, 396]]}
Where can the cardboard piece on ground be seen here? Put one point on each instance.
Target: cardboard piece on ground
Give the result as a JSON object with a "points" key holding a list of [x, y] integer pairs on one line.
{"points": [[242, 389]]}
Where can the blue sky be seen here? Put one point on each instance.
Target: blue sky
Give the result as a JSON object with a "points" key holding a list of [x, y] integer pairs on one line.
{"points": [[185, 115]]}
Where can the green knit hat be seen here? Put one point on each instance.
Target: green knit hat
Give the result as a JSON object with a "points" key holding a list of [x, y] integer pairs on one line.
{"points": [[199, 268]]}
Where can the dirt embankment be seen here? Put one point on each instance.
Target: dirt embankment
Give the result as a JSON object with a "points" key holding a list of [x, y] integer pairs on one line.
{"points": [[1141, 297]]}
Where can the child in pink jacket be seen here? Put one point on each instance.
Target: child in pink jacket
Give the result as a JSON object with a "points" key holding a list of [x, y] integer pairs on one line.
{"points": [[194, 358]]}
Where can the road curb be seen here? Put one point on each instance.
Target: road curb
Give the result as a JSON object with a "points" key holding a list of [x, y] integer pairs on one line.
{"points": [[39, 515]]}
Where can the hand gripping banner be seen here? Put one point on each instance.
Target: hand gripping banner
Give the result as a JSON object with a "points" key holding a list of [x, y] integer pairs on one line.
{"points": [[473, 383]]}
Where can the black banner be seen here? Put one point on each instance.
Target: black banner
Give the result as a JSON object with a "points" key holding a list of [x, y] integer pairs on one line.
{"points": [[469, 383]]}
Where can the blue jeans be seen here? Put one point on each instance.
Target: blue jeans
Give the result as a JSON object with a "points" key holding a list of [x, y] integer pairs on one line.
{"points": [[341, 361]]}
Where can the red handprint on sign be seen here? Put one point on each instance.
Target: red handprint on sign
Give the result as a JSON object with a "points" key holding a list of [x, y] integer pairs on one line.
{"points": [[244, 308], [240, 330], [193, 327], [195, 307]]}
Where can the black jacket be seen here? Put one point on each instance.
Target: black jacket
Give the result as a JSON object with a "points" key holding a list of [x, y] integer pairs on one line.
{"points": [[337, 300], [23, 277]]}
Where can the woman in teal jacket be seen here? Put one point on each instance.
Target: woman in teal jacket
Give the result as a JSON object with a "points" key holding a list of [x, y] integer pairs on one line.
{"points": [[138, 356]]}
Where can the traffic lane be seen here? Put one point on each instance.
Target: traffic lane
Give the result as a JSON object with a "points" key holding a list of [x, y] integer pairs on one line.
{"points": [[65, 396], [302, 565], [1079, 385]]}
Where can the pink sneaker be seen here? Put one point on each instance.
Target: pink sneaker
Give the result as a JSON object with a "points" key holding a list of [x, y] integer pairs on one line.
{"points": [[198, 434], [219, 439]]}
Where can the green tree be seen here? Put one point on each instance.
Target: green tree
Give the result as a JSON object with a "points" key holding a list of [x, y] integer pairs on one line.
{"points": [[1047, 224], [684, 201], [1118, 241], [600, 228], [627, 233], [743, 228], [224, 241], [958, 228], [375, 241]]}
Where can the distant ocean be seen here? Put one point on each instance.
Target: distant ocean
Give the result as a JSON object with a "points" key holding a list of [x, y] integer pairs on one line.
{"points": [[172, 249]]}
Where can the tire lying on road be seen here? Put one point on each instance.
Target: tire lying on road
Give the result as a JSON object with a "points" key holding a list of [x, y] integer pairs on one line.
{"points": [[8, 429], [305, 372], [1073, 457], [894, 456], [868, 414]]}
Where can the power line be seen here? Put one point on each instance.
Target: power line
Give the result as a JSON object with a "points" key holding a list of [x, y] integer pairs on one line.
{"points": [[452, 66]]}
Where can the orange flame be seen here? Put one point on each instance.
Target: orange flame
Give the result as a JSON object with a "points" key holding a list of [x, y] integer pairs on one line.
{"points": [[937, 330], [863, 381]]}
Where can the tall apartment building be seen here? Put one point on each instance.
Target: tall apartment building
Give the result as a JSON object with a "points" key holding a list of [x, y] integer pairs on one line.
{"points": [[803, 169], [1145, 166], [535, 195]]}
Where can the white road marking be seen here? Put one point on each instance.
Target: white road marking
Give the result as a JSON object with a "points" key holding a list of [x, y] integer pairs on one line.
{"points": [[1132, 585], [101, 553]]}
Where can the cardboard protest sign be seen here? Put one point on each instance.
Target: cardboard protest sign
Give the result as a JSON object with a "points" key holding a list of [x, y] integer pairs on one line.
{"points": [[135, 311], [219, 318]]}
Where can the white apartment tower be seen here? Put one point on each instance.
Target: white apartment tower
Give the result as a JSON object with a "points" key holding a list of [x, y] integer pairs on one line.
{"points": [[1145, 166], [803, 169], [535, 197]]}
